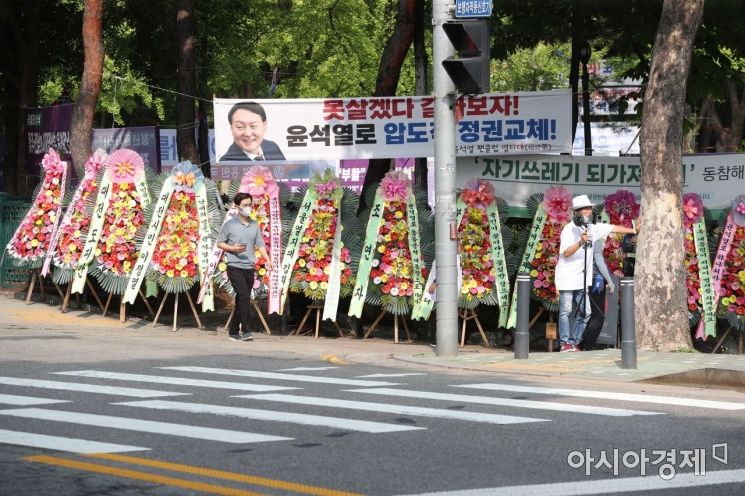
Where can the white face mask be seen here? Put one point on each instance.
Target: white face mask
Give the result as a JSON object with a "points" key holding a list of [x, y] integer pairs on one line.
{"points": [[246, 211]]}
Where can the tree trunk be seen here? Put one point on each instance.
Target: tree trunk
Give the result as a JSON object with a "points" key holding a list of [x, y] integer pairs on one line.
{"points": [[421, 66], [185, 139], [82, 114], [389, 73], [728, 139], [661, 309]]}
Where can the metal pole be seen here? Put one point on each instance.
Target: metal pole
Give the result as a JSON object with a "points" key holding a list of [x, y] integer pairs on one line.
{"points": [[586, 109], [445, 229], [628, 329], [522, 332]]}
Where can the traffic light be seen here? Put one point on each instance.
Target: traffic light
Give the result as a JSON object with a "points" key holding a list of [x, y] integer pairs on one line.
{"points": [[469, 67]]}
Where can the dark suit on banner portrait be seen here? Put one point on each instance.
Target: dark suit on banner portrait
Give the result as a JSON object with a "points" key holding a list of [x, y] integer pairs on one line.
{"points": [[270, 149]]}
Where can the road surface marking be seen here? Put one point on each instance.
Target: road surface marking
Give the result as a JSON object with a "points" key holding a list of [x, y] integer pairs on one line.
{"points": [[397, 409], [301, 369], [372, 376], [142, 476], [282, 377], [486, 400], [11, 399], [272, 416], [151, 426], [221, 474], [58, 443], [609, 395], [88, 388], [605, 486], [179, 381]]}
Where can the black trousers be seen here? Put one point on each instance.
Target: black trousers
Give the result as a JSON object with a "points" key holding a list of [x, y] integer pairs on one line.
{"points": [[597, 318], [243, 283]]}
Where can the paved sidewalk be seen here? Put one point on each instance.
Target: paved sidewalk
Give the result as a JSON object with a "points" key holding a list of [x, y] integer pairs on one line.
{"points": [[138, 336]]}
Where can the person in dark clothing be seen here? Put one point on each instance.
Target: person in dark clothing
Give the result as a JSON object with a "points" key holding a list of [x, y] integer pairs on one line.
{"points": [[597, 298], [239, 238]]}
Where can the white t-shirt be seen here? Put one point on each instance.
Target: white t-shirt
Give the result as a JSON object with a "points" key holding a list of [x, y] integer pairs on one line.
{"points": [[569, 270]]}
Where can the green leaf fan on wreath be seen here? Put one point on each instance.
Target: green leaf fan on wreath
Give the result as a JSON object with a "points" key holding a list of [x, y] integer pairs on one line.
{"points": [[391, 271], [318, 260], [174, 251]]}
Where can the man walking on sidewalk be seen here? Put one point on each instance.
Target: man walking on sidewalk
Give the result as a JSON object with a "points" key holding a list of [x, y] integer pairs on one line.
{"points": [[239, 238]]}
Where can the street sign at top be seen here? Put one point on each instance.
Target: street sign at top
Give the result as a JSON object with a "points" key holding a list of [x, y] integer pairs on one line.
{"points": [[473, 8]]}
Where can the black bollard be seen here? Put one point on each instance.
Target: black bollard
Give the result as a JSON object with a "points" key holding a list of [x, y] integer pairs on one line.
{"points": [[628, 328], [522, 332]]}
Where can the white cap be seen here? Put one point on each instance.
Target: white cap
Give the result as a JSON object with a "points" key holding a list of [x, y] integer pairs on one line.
{"points": [[581, 201]]}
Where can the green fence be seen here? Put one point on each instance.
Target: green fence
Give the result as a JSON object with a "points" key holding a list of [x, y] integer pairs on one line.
{"points": [[12, 213]]}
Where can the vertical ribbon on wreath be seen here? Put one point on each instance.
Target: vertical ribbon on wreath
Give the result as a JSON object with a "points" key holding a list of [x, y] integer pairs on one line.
{"points": [[94, 233], [331, 303], [366, 257], [415, 249], [205, 228], [717, 273], [539, 220], [292, 251], [501, 282], [148, 245], [56, 231], [214, 259], [275, 250], [707, 325]]}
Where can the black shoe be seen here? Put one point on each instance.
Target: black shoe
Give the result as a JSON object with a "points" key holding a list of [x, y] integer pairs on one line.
{"points": [[247, 336], [234, 337]]}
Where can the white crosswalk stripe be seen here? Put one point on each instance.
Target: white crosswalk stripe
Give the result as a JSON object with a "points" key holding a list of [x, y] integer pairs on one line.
{"points": [[370, 376], [485, 400], [609, 395], [87, 388], [179, 381], [397, 409], [282, 377], [306, 369], [273, 416], [150, 426], [11, 399], [58, 443]]}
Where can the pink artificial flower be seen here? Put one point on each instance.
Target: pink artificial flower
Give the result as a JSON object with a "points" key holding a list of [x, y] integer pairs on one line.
{"points": [[693, 208], [395, 186], [622, 207], [325, 189], [258, 180], [123, 165], [478, 193], [52, 163], [557, 201], [94, 163]]}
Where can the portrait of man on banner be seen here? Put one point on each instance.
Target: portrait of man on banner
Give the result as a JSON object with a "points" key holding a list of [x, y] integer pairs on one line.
{"points": [[248, 126]]}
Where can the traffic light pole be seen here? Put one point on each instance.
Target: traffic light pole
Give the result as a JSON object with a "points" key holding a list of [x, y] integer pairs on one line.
{"points": [[445, 228]]}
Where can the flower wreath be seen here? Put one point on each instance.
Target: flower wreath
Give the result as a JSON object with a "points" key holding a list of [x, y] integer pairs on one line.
{"points": [[317, 261], [31, 240], [268, 197], [728, 271], [700, 291], [67, 245], [551, 211], [620, 209], [391, 271], [111, 246], [174, 250]]}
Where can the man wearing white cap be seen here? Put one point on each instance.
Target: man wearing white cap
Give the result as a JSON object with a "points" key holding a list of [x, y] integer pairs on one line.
{"points": [[574, 270]]}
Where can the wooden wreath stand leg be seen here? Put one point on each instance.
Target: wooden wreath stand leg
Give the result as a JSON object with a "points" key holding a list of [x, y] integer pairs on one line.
{"points": [[66, 300], [395, 327], [724, 336], [261, 317], [175, 311], [34, 276], [230, 319], [318, 308], [467, 315], [551, 332]]}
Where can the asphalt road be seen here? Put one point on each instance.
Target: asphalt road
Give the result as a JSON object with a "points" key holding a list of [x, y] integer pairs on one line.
{"points": [[232, 424]]}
